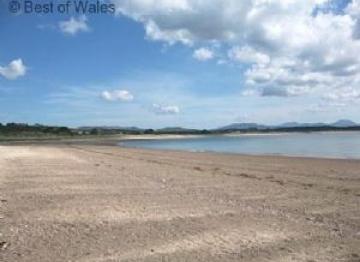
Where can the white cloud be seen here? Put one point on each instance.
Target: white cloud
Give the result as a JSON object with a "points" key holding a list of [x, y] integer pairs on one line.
{"points": [[203, 54], [165, 110], [171, 37], [221, 20], [74, 25], [246, 54], [346, 95], [117, 95], [287, 47], [15, 69]]}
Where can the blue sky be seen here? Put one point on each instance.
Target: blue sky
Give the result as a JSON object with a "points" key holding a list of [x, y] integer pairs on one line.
{"points": [[187, 63]]}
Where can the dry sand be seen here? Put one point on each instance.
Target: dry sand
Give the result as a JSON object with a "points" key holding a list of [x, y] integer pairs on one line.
{"points": [[102, 203]]}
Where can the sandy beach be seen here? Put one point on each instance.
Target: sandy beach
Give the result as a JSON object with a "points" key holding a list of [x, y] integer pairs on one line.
{"points": [[104, 203]]}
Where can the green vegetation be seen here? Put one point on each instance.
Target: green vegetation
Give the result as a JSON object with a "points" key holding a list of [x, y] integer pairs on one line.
{"points": [[14, 131]]}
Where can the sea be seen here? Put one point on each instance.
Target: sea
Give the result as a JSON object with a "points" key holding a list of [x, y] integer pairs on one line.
{"points": [[318, 144]]}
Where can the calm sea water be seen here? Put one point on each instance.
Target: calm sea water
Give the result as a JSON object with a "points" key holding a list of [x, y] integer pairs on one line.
{"points": [[332, 144]]}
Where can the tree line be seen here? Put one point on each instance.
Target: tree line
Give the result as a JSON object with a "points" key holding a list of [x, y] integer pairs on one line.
{"points": [[21, 129]]}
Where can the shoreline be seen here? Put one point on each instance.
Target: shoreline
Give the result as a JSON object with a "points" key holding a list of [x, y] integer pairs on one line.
{"points": [[130, 139], [156, 136], [116, 140], [235, 134], [284, 156], [290, 156]]}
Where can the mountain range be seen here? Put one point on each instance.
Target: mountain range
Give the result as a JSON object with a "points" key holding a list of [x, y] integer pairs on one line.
{"points": [[343, 123]]}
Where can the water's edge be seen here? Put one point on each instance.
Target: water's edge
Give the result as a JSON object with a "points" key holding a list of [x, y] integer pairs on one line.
{"points": [[314, 145]]}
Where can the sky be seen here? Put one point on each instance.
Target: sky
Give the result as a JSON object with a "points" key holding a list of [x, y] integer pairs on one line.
{"points": [[190, 63]]}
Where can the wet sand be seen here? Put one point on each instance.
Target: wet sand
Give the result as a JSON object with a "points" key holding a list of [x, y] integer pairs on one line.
{"points": [[103, 203]]}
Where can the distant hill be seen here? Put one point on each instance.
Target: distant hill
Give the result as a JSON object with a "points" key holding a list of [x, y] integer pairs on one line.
{"points": [[243, 126], [175, 130], [343, 123], [131, 128], [295, 124]]}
